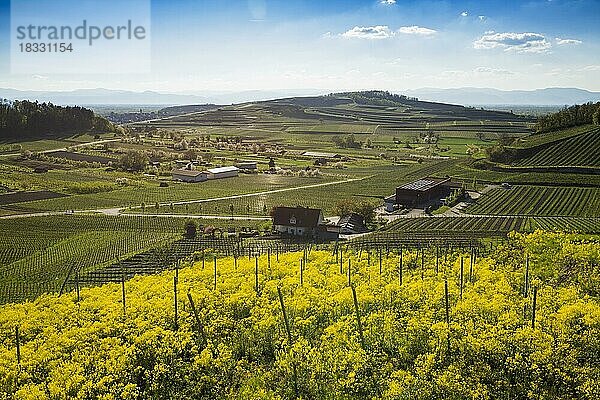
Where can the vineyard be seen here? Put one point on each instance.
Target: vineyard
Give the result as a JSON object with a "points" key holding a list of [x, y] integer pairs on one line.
{"points": [[582, 150], [538, 200], [523, 322], [41, 253]]}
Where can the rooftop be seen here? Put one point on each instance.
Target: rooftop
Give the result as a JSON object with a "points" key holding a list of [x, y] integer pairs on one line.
{"points": [[424, 184], [187, 172], [221, 170], [318, 154], [296, 216]]}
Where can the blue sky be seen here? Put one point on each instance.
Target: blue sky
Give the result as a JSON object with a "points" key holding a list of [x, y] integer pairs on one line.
{"points": [[234, 45]]}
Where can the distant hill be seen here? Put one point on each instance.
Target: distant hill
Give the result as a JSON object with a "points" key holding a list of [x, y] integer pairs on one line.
{"points": [[465, 96], [486, 96], [108, 96]]}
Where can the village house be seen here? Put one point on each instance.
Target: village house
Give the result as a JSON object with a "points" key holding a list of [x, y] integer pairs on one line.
{"points": [[302, 221]]}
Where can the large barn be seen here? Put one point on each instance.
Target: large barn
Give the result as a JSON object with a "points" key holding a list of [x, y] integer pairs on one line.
{"points": [[222, 172], [186, 175], [419, 193]]}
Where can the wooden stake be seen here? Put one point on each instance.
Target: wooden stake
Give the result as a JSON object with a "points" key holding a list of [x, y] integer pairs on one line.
{"points": [[471, 267], [349, 273], [215, 273], [358, 322], [123, 290], [18, 340], [446, 296], [301, 272], [400, 262], [461, 276], [198, 323], [534, 306], [289, 335], [256, 275], [175, 302], [526, 288], [77, 286]]}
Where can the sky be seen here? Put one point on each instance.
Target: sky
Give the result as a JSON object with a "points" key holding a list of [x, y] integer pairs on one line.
{"points": [[202, 46]]}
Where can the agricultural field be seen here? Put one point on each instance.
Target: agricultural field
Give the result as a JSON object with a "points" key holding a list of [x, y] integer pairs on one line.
{"points": [[539, 200], [582, 150], [39, 253], [523, 319], [380, 147]]}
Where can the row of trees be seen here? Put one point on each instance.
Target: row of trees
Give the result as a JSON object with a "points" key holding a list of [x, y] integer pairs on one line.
{"points": [[377, 97], [19, 119], [570, 116]]}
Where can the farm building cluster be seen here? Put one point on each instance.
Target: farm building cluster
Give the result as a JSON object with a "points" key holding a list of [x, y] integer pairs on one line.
{"points": [[187, 171], [309, 222], [191, 175]]}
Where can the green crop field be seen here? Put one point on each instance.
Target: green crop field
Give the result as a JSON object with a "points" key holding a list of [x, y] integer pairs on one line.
{"points": [[582, 150], [538, 200]]}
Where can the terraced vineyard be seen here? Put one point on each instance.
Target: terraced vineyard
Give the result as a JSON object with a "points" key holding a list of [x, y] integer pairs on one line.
{"points": [[581, 225], [582, 150], [538, 200]]}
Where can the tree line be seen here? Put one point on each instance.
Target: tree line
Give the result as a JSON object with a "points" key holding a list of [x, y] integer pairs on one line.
{"points": [[579, 114], [26, 119]]}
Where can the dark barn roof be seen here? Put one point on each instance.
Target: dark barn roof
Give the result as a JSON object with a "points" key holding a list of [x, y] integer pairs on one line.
{"points": [[352, 223], [305, 217], [424, 184]]}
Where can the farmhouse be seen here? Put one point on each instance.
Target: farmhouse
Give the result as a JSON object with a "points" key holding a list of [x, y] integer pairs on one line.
{"points": [[298, 221], [222, 172], [186, 175], [320, 155], [247, 165], [419, 193]]}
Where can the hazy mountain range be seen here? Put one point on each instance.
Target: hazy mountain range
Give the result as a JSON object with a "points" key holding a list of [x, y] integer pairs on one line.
{"points": [[464, 96]]}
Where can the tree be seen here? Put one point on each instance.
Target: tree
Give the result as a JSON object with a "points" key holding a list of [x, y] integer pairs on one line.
{"points": [[363, 208], [133, 160], [190, 229]]}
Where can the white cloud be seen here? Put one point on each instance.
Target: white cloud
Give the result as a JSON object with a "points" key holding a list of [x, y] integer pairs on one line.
{"points": [[369, 32], [388, 2], [479, 72], [464, 14], [416, 30], [591, 68], [526, 42], [492, 71], [482, 17], [562, 42]]}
